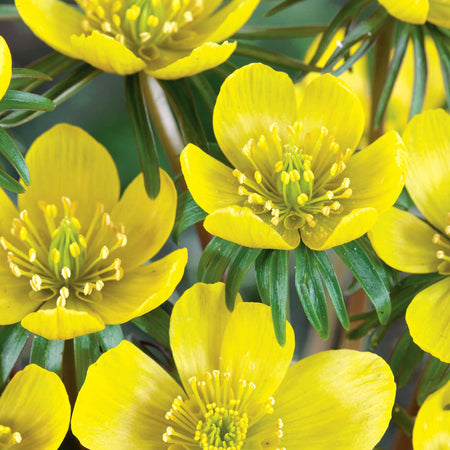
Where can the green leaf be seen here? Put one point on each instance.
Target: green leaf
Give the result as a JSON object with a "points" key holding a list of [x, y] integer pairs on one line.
{"points": [[47, 354], [12, 341], [279, 32], [403, 420], [18, 100], [29, 73], [263, 275], [206, 91], [156, 324], [404, 201], [283, 5], [405, 358], [10, 183], [435, 376], [110, 337], [9, 150], [239, 268], [420, 71], [215, 259], [8, 12], [357, 260], [188, 214], [444, 57], [143, 134], [86, 352], [358, 54]]}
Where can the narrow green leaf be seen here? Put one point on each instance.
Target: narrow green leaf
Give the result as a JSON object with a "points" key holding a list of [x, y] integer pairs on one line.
{"points": [[404, 201], [8, 12], [143, 134], [263, 275], [203, 86], [435, 376], [420, 71], [444, 57], [9, 150], [279, 32], [110, 337], [29, 73], [352, 59], [403, 420], [215, 259], [156, 325], [239, 268], [18, 100], [86, 352], [188, 214], [283, 5], [357, 260], [10, 183], [12, 341], [47, 354]]}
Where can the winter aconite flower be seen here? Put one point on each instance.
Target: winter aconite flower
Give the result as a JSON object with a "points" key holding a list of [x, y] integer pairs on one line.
{"points": [[73, 253], [407, 243], [167, 38], [238, 390], [34, 411], [295, 175], [419, 11], [5, 67]]}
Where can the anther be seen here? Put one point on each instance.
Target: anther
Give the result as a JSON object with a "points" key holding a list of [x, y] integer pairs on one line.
{"points": [[258, 177], [31, 255], [133, 13], [302, 199], [65, 272], [74, 249], [440, 254], [104, 252]]}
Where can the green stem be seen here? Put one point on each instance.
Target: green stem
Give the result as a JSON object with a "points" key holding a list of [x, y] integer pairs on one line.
{"points": [[403, 420]]}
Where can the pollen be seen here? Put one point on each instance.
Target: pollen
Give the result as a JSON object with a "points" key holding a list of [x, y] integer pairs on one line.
{"points": [[442, 243]]}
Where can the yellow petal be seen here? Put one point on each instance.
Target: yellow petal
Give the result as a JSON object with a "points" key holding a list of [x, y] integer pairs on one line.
{"points": [[377, 174], [197, 326], [428, 319], [240, 225], [75, 319], [210, 182], [339, 399], [123, 401], [35, 404], [148, 223], [107, 54], [412, 11], [250, 351], [67, 161], [404, 242], [5, 67], [338, 229], [439, 13], [142, 289], [427, 138], [52, 21], [250, 100], [202, 58], [432, 426]]}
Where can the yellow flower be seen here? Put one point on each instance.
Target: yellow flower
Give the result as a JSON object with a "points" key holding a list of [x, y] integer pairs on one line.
{"points": [[432, 426], [238, 388], [419, 11], [407, 243], [295, 176], [167, 38], [5, 67], [74, 252], [34, 411]]}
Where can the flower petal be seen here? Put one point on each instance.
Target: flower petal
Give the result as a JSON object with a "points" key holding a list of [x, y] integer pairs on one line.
{"points": [[412, 11], [75, 319], [328, 102], [148, 223], [240, 225], [432, 425], [9, 212], [5, 67], [142, 289], [439, 13], [338, 229], [250, 100], [404, 242], [377, 174], [52, 21], [67, 161], [202, 58], [210, 182], [106, 53], [427, 138], [251, 352], [35, 404], [428, 319], [197, 326], [339, 399], [123, 401]]}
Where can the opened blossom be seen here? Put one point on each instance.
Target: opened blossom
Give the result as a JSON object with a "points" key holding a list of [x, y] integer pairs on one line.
{"points": [[167, 39], [72, 255], [5, 67], [408, 243], [294, 174], [238, 388]]}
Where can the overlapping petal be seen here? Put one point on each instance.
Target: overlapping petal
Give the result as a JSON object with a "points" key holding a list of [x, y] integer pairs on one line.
{"points": [[412, 11], [428, 319], [133, 394], [5, 67], [439, 13]]}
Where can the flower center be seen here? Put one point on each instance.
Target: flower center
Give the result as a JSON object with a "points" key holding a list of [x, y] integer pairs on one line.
{"points": [[142, 25], [291, 182], [61, 261], [8, 439], [214, 416], [443, 253]]}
